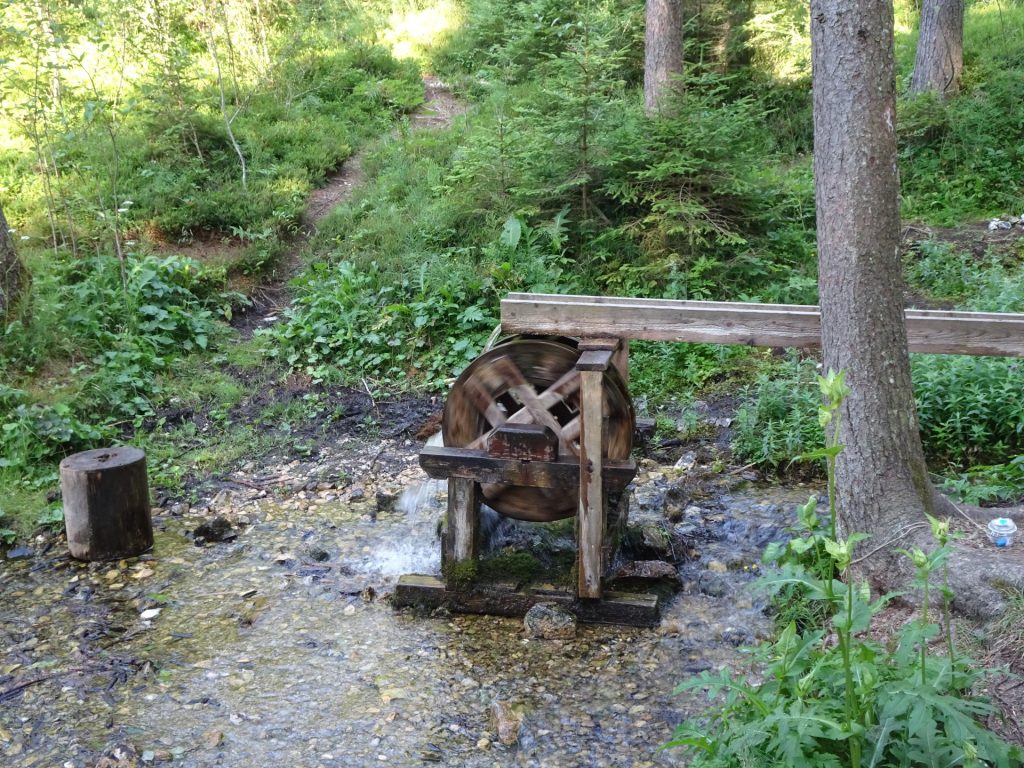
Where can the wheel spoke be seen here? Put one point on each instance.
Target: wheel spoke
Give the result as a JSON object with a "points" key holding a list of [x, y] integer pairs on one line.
{"points": [[485, 404]]}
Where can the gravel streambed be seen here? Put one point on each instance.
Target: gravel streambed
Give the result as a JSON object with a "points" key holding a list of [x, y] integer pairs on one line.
{"points": [[267, 639]]}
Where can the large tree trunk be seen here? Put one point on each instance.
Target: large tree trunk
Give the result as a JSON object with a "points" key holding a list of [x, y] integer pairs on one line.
{"points": [[13, 275], [882, 480], [882, 483], [940, 48], [663, 51]]}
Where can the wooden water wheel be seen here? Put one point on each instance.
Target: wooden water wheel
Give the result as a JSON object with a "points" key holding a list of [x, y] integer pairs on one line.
{"points": [[524, 381]]}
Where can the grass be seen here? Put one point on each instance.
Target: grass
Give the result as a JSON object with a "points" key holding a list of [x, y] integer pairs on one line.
{"points": [[1005, 641]]}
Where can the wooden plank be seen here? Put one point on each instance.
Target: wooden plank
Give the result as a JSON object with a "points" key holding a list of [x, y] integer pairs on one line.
{"points": [[632, 609], [530, 442], [595, 360], [590, 520], [441, 462], [462, 539], [621, 361], [761, 325], [588, 344]]}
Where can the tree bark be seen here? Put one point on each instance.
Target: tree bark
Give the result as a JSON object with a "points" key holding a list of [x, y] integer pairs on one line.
{"points": [[13, 275], [882, 480], [940, 48], [663, 51]]}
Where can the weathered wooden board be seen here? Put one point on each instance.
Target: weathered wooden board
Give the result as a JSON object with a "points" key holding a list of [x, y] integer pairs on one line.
{"points": [[595, 360], [633, 609], [533, 442], [462, 539], [760, 325], [439, 462], [590, 520]]}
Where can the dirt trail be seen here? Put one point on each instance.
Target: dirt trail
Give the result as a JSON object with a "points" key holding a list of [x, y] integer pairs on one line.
{"points": [[269, 297], [439, 108]]}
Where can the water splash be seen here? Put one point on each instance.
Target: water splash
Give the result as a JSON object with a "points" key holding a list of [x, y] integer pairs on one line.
{"points": [[414, 546]]}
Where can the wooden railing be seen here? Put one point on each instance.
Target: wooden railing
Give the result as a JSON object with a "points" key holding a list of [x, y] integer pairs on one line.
{"points": [[758, 325]]}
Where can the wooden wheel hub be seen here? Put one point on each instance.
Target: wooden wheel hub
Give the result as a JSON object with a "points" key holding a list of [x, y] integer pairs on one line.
{"points": [[533, 381]]}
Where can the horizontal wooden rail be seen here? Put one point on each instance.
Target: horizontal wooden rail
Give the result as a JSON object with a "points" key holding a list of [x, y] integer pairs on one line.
{"points": [[563, 474], [759, 325]]}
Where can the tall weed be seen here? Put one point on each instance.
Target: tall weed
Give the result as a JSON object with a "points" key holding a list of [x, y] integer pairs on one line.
{"points": [[828, 695]]}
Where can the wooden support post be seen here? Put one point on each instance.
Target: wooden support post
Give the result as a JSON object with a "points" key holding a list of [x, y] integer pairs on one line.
{"points": [[462, 537], [106, 503], [590, 521]]}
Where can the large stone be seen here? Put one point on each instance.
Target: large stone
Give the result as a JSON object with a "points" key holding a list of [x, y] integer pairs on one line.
{"points": [[647, 569], [550, 621], [506, 720], [217, 529]]}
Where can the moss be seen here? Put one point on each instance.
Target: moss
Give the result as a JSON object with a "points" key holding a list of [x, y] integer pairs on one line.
{"points": [[461, 574], [512, 566]]}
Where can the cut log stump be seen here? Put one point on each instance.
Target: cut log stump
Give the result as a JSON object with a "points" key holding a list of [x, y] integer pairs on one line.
{"points": [[106, 503]]}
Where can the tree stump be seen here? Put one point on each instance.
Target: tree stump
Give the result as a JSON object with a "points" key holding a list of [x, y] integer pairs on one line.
{"points": [[106, 503]]}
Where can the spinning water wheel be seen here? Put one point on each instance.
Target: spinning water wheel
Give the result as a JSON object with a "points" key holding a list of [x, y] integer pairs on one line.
{"points": [[539, 427], [533, 381]]}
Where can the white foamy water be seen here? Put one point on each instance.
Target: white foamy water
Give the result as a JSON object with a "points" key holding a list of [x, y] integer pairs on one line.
{"points": [[414, 545]]}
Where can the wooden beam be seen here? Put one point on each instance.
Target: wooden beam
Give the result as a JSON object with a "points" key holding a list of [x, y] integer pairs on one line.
{"points": [[462, 539], [633, 609], [590, 520], [760, 325], [595, 360], [440, 462], [528, 442]]}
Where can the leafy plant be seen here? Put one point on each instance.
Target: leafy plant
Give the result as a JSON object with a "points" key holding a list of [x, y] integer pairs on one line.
{"points": [[988, 483], [348, 324], [777, 421], [971, 409], [831, 697]]}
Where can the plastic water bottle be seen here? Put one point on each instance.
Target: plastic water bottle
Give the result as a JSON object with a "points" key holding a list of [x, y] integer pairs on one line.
{"points": [[1001, 530]]}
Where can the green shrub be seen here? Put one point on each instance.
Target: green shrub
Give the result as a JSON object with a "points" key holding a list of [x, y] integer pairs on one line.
{"points": [[962, 158], [828, 696], [971, 409], [991, 283], [120, 336], [989, 483], [30, 434], [347, 324], [778, 419]]}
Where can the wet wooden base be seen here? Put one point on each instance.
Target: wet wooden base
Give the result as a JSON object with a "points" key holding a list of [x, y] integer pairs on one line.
{"points": [[629, 608]]}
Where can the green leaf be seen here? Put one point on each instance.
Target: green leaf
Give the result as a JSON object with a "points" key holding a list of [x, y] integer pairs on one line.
{"points": [[511, 232]]}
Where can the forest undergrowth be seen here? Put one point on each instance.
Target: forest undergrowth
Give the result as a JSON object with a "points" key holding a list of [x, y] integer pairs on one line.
{"points": [[127, 135]]}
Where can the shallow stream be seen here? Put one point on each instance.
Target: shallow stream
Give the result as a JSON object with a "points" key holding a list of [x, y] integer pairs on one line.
{"points": [[279, 647]]}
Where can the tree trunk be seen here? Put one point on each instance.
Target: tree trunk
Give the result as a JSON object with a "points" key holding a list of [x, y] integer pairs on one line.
{"points": [[940, 48], [663, 51], [106, 503], [13, 275], [882, 480]]}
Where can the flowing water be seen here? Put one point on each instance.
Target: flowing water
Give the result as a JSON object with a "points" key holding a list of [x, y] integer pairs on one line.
{"points": [[277, 649]]}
